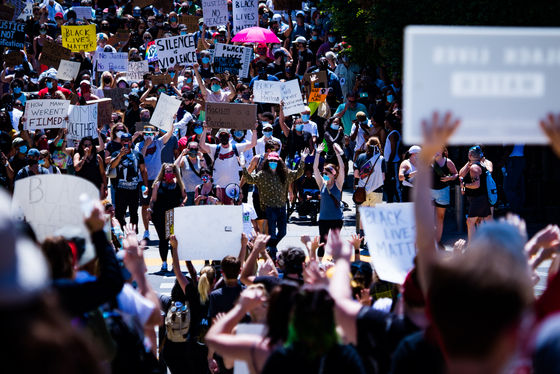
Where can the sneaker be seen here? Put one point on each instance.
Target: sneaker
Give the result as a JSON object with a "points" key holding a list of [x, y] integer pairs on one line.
{"points": [[146, 235], [164, 267]]}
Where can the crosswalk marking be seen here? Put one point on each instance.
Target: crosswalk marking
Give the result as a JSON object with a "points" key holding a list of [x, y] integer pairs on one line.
{"points": [[166, 285]]}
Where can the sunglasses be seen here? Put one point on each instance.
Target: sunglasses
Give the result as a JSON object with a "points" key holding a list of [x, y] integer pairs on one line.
{"points": [[352, 101], [150, 133], [147, 38], [193, 149], [87, 144]]}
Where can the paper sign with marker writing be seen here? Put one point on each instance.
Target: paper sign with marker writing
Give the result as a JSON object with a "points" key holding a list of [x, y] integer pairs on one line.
{"points": [[82, 121], [12, 34], [53, 53], [79, 38], [52, 201], [46, 114], [231, 115], [390, 231], [136, 71], [291, 94], [82, 12], [68, 70], [318, 95], [267, 92], [166, 108], [176, 50], [115, 61], [104, 111], [499, 81], [191, 22], [215, 12], [245, 14], [233, 58]]}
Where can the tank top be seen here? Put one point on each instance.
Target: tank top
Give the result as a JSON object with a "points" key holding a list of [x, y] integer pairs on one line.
{"points": [[475, 192], [168, 197], [387, 150], [212, 193], [328, 209], [437, 184], [90, 171], [189, 177], [408, 183]]}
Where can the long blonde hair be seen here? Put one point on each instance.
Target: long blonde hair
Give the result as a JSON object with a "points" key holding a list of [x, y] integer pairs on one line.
{"points": [[207, 278], [175, 171]]}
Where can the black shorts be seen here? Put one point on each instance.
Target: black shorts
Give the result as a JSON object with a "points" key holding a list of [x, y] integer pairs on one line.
{"points": [[479, 206]]}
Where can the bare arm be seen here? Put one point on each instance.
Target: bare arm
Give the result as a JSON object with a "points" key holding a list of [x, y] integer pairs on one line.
{"points": [[183, 281], [247, 277], [199, 78], [316, 172], [282, 121]]}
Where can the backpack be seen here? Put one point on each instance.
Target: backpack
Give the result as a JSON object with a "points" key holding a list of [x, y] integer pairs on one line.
{"points": [[177, 322], [491, 188], [218, 151]]}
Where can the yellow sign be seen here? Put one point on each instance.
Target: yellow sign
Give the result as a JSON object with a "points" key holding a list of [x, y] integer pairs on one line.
{"points": [[79, 38], [318, 95]]}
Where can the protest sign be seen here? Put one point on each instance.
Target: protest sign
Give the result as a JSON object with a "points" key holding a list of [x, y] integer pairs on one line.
{"points": [[390, 231], [151, 52], [267, 92], [7, 12], [136, 70], [499, 81], [52, 201], [53, 53], [68, 70], [115, 61], [231, 116], [233, 58], [245, 14], [19, 7], [161, 79], [46, 114], [215, 12], [208, 232], [28, 11], [79, 38], [104, 111], [176, 50], [12, 34], [169, 222], [160, 33], [317, 80], [318, 95], [291, 94], [117, 97], [82, 121], [191, 22], [13, 58], [82, 12], [166, 108], [121, 36], [286, 4]]}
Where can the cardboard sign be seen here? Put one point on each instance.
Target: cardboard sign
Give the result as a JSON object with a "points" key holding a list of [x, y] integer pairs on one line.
{"points": [[117, 97], [499, 81], [53, 53], [318, 95], [316, 80], [208, 232], [390, 231], [176, 50], [191, 22], [79, 38], [12, 34], [52, 201], [169, 223], [215, 12], [233, 58], [13, 58], [46, 114], [68, 70], [166, 5], [115, 61], [245, 14], [161, 79], [231, 116], [27, 11], [82, 121], [121, 36], [291, 94], [136, 70], [267, 92], [82, 12], [286, 4], [104, 111], [160, 33], [7, 12], [166, 108]]}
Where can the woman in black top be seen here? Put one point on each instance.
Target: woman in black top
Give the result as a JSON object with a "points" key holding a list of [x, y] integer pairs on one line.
{"points": [[444, 171], [334, 133], [89, 165]]}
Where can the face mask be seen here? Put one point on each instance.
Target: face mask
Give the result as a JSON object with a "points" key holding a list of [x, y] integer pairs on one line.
{"points": [[299, 127], [23, 149], [205, 60], [390, 98], [17, 90], [261, 52], [172, 19], [200, 27], [205, 179], [104, 27], [335, 127], [172, 74], [34, 80], [43, 31], [238, 134], [148, 137], [224, 139], [189, 80], [305, 117], [273, 165], [332, 39], [31, 162], [169, 177], [135, 89], [267, 134], [216, 87], [49, 85], [198, 130], [326, 178], [183, 33], [41, 162], [106, 80], [71, 20], [145, 119], [246, 96], [314, 37], [119, 134]]}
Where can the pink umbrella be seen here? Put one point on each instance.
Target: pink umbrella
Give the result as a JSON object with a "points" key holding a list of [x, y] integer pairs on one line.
{"points": [[256, 34]]}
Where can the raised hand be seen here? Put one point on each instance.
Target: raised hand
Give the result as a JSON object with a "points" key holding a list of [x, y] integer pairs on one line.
{"points": [[551, 127], [251, 298], [436, 133]]}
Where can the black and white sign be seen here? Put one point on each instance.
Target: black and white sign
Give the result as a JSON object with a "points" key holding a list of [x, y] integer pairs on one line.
{"points": [[176, 50], [12, 34], [233, 58]]}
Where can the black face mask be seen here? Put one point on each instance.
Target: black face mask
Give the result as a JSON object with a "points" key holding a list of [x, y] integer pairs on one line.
{"points": [[224, 139], [246, 96], [31, 162], [107, 80]]}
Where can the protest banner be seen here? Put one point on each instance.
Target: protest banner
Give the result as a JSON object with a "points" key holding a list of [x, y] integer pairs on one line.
{"points": [[7, 12], [318, 95], [79, 38], [82, 12], [233, 58], [68, 70], [390, 231], [82, 121], [191, 22], [231, 116], [176, 50], [160, 33], [166, 108], [13, 58], [50, 202], [12, 34], [161, 79], [286, 4], [53, 53], [104, 111], [245, 14], [169, 222], [267, 92], [215, 12], [136, 70], [291, 94], [28, 11], [208, 232], [46, 114], [117, 97], [115, 61], [500, 81]]}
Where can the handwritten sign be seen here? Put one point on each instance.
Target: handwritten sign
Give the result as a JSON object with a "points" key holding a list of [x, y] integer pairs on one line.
{"points": [[136, 70], [53, 53], [104, 111], [391, 236], [291, 94], [267, 92], [46, 114], [166, 108], [79, 38], [161, 79], [191, 22], [233, 58], [169, 222], [68, 70], [12, 34], [176, 50], [13, 58], [27, 12], [318, 95], [115, 61], [245, 14], [82, 12], [82, 121], [215, 12], [117, 97], [231, 116]]}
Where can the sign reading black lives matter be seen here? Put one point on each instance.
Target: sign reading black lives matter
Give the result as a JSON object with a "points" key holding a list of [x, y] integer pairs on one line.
{"points": [[176, 50], [499, 81], [233, 58], [12, 34]]}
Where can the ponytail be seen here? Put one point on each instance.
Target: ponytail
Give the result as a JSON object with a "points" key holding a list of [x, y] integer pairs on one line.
{"points": [[207, 277]]}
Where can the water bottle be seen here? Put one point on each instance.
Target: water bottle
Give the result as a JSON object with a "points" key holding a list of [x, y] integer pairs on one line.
{"points": [[504, 171], [296, 158], [144, 192], [178, 304]]}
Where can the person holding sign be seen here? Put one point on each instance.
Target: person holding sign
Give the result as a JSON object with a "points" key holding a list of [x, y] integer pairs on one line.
{"points": [[89, 165], [444, 171], [217, 95]]}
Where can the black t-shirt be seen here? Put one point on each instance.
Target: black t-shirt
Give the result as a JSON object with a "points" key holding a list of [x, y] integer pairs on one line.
{"points": [[205, 73], [417, 354], [304, 57], [4, 181], [274, 69], [223, 300], [315, 45], [131, 116], [17, 163], [298, 142], [131, 163]]}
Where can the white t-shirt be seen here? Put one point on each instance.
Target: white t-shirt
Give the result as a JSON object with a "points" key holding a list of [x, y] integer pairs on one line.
{"points": [[131, 302], [182, 124], [218, 97], [248, 153], [226, 166], [259, 148], [360, 140], [249, 214], [152, 159], [311, 127]]}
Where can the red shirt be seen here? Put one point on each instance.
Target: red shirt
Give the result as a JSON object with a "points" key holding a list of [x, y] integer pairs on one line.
{"points": [[65, 91]]}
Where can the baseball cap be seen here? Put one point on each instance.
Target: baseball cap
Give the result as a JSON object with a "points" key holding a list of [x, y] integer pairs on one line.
{"points": [[300, 13], [58, 15], [221, 131], [18, 142], [361, 115], [276, 17], [126, 136], [268, 126], [132, 96], [414, 149], [85, 82], [273, 156], [34, 152], [112, 9]]}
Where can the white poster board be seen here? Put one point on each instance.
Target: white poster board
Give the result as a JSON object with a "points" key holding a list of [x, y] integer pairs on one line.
{"points": [[166, 108], [234, 58], [390, 231], [267, 92], [136, 71], [240, 367], [112, 61], [176, 50], [68, 70], [245, 14], [291, 94], [28, 11], [46, 114], [82, 12], [500, 81], [82, 121], [208, 232], [51, 201], [215, 12]]}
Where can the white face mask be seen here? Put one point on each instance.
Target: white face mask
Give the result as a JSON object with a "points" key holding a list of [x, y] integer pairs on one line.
{"points": [[119, 134]]}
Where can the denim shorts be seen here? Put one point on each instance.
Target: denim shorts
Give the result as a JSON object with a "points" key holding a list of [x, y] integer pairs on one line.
{"points": [[441, 197]]}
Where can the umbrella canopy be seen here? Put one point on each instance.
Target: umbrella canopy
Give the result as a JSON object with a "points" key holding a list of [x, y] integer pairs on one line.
{"points": [[256, 34]]}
